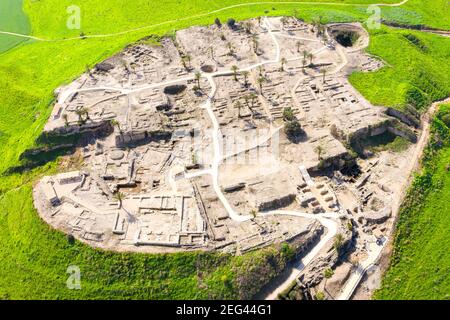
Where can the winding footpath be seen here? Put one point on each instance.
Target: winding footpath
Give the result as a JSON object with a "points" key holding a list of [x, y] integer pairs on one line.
{"points": [[328, 220], [249, 4]]}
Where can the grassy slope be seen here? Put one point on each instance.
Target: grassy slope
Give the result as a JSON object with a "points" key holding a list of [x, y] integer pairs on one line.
{"points": [[34, 258], [415, 12], [426, 71], [420, 266], [12, 19], [116, 15]]}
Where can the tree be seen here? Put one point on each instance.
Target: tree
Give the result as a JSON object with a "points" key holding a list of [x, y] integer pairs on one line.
{"points": [[304, 64], [260, 70], [253, 213], [85, 112], [238, 106], [317, 22], [194, 158], [328, 273], [80, 116], [261, 81], [119, 196], [186, 61], [259, 20], [245, 74], [80, 113], [235, 69], [283, 20], [198, 75], [230, 48], [287, 251], [116, 123], [231, 23], [255, 44], [323, 71], [288, 114], [320, 296], [311, 57], [253, 98], [298, 44], [305, 54], [211, 51], [248, 27], [319, 150], [338, 242], [283, 62], [292, 128], [218, 23]]}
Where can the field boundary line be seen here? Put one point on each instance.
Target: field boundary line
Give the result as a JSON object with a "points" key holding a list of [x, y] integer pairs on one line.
{"points": [[249, 4]]}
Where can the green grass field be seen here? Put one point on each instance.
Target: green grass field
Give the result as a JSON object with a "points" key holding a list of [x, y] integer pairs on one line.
{"points": [[416, 74], [420, 265], [420, 12], [12, 19], [34, 258]]}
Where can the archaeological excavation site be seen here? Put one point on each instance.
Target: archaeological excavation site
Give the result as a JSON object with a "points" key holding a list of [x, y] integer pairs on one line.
{"points": [[233, 137]]}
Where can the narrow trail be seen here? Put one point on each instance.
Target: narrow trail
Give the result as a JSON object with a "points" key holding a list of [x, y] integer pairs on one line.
{"points": [[200, 16], [327, 219]]}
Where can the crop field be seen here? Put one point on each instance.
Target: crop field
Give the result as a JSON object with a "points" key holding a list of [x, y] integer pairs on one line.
{"points": [[34, 258], [12, 19], [420, 266]]}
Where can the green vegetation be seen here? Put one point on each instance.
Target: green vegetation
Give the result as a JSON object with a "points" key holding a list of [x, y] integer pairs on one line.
{"points": [[386, 142], [420, 12], [34, 257], [420, 264], [12, 19], [413, 75]]}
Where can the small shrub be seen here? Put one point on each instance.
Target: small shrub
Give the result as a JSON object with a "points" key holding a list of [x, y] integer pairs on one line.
{"points": [[328, 273], [231, 23], [288, 114], [320, 296], [287, 251], [293, 128]]}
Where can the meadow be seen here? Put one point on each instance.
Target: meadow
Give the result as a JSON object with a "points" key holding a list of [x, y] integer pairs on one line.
{"points": [[12, 19], [420, 264], [34, 257]]}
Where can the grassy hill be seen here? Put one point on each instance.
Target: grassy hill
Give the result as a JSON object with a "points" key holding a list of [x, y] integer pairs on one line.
{"points": [[420, 265], [417, 72], [34, 257]]}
